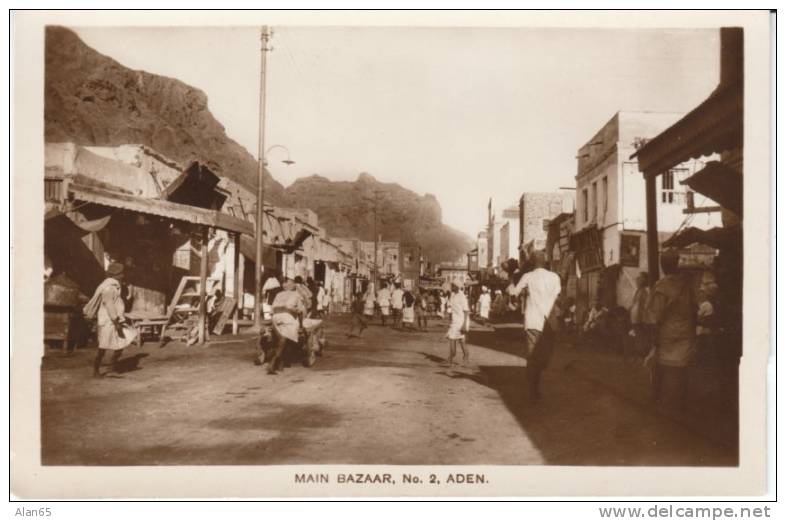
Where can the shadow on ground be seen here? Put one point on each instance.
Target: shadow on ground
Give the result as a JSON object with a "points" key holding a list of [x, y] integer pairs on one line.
{"points": [[593, 427]]}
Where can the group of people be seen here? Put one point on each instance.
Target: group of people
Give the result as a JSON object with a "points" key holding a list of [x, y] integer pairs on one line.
{"points": [[497, 305], [404, 308], [669, 326], [681, 327], [668, 323]]}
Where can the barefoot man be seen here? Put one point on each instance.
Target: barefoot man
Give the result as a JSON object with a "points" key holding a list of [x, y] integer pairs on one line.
{"points": [[459, 321]]}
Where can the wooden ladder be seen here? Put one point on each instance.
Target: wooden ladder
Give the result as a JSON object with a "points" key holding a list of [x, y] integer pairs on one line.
{"points": [[185, 303]]}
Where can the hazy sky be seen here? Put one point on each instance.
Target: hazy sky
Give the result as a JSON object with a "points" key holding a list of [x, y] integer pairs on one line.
{"points": [[465, 113]]}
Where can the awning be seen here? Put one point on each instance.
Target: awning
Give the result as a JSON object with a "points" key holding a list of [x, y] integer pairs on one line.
{"points": [[57, 220], [196, 186], [328, 252], [720, 183], [712, 127], [56, 216], [167, 209], [299, 237], [718, 238], [64, 245], [248, 247]]}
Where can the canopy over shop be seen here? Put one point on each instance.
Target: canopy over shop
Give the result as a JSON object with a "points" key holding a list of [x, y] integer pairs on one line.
{"points": [[153, 227], [713, 127], [281, 238], [129, 205]]}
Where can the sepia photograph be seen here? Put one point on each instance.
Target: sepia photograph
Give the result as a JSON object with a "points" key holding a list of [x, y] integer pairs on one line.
{"points": [[387, 245]]}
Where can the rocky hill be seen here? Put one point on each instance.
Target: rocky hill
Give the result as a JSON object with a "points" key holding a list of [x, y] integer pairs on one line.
{"points": [[346, 209], [91, 99]]}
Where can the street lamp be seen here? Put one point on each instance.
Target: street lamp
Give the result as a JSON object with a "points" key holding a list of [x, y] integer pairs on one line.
{"points": [[286, 161], [259, 239]]}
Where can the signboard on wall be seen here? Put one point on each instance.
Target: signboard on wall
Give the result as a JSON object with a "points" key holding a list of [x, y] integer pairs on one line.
{"points": [[697, 259], [630, 250], [588, 247]]}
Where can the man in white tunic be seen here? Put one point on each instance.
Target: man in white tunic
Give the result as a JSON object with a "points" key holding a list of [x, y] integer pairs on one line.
{"points": [[383, 299], [288, 312], [541, 287], [108, 307], [459, 321], [397, 303], [320, 299], [484, 304]]}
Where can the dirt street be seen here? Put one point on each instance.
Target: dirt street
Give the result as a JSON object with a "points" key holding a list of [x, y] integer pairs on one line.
{"points": [[387, 398]]}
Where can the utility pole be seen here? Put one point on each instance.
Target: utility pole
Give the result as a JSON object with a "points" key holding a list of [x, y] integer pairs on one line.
{"points": [[376, 245], [264, 38]]}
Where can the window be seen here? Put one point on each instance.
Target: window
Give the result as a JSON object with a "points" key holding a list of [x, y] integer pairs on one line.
{"points": [[585, 205], [669, 194], [594, 200], [605, 195]]}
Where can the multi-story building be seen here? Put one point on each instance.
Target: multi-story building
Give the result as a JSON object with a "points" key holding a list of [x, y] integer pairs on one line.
{"points": [[535, 211], [454, 272], [410, 265], [509, 235], [610, 221], [494, 257], [519, 229], [387, 261], [482, 247]]}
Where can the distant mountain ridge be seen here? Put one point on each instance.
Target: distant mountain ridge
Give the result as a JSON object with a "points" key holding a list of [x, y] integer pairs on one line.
{"points": [[346, 209], [91, 99]]}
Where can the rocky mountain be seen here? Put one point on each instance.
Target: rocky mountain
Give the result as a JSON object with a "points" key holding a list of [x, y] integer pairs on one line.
{"points": [[91, 99], [346, 209]]}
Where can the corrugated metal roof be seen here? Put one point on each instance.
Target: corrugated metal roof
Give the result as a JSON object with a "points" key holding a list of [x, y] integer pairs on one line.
{"points": [[180, 212]]}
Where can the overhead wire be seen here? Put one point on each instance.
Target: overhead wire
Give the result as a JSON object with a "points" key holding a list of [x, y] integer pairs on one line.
{"points": [[287, 47]]}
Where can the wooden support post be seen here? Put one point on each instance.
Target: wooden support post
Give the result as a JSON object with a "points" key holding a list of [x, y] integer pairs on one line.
{"points": [[241, 274], [237, 287], [203, 286], [653, 266]]}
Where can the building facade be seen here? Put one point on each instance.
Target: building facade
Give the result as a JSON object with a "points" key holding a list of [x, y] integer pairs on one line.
{"points": [[509, 234], [410, 265], [482, 247], [387, 257], [610, 220], [456, 272], [535, 211]]}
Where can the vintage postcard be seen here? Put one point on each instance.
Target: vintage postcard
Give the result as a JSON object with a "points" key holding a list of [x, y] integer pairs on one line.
{"points": [[390, 255]]}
